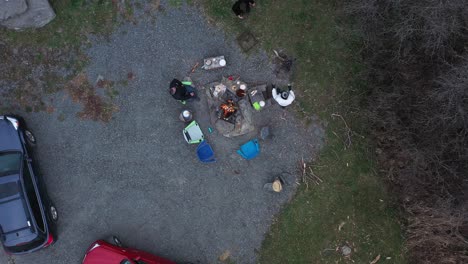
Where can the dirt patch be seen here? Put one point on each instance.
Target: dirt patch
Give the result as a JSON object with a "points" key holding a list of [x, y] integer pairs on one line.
{"points": [[26, 74], [95, 107], [29, 74], [37, 63]]}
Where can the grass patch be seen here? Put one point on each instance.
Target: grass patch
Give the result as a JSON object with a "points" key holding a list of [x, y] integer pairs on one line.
{"points": [[351, 195], [176, 3], [305, 30], [75, 20], [349, 208]]}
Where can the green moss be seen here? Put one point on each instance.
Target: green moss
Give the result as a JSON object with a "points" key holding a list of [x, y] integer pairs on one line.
{"points": [[74, 21]]}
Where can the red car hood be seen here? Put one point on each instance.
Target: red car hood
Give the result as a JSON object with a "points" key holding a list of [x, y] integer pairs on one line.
{"points": [[100, 253]]}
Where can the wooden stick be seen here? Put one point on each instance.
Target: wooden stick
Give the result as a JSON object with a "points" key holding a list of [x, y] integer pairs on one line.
{"points": [[304, 175], [194, 67], [313, 174], [349, 132]]}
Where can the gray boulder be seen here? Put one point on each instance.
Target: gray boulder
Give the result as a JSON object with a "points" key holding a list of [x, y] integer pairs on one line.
{"points": [[38, 14], [11, 8]]}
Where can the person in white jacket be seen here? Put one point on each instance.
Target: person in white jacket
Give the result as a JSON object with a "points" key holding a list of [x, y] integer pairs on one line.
{"points": [[284, 98]]}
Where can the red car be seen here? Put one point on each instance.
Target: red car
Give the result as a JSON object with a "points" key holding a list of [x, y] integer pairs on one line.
{"points": [[102, 252]]}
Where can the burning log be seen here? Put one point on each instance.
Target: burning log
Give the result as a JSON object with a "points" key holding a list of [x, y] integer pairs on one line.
{"points": [[228, 109]]}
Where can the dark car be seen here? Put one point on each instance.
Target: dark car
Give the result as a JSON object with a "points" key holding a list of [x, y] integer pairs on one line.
{"points": [[27, 215]]}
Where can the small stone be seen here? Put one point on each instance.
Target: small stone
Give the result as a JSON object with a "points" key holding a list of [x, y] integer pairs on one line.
{"points": [[318, 132], [346, 251], [264, 133]]}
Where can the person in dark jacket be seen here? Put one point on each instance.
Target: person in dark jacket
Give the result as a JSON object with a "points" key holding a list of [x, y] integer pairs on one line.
{"points": [[242, 7], [181, 92]]}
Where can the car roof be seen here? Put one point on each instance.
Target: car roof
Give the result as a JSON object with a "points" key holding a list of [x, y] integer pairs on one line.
{"points": [[9, 137], [15, 218]]}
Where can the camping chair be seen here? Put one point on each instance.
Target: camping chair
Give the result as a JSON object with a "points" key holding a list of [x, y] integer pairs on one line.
{"points": [[205, 153], [192, 133], [249, 150]]}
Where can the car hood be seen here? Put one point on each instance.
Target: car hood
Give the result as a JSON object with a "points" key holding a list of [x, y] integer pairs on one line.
{"points": [[101, 252], [9, 137]]}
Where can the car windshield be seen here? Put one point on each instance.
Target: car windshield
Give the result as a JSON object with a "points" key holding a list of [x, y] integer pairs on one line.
{"points": [[10, 163], [37, 242]]}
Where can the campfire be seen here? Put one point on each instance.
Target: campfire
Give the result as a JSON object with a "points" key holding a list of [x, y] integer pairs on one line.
{"points": [[227, 109]]}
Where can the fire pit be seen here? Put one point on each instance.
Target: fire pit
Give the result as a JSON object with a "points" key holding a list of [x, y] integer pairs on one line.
{"points": [[227, 110], [230, 109]]}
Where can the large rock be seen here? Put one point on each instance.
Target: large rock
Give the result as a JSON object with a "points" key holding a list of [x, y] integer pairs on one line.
{"points": [[223, 127], [38, 14], [11, 8]]}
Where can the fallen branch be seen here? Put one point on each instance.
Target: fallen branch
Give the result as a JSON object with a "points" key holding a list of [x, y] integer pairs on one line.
{"points": [[318, 180], [349, 132], [278, 55], [304, 175], [308, 176], [194, 67]]}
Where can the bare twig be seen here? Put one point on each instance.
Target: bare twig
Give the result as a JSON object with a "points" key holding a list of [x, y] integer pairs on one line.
{"points": [[194, 68], [278, 55], [316, 178], [349, 132], [375, 260], [303, 171]]}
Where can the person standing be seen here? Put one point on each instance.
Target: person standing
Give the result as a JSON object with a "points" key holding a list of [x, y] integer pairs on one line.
{"points": [[242, 7], [283, 98]]}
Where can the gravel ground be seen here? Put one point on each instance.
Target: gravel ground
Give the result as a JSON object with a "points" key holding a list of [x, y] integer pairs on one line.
{"points": [[137, 178]]}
